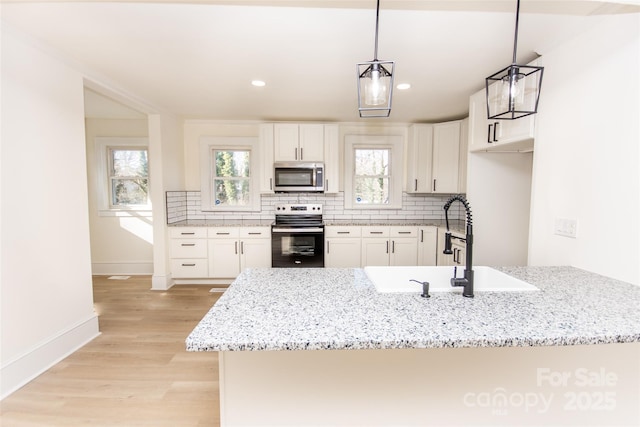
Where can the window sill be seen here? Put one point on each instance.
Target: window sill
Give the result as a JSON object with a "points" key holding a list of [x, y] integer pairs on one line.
{"points": [[145, 213]]}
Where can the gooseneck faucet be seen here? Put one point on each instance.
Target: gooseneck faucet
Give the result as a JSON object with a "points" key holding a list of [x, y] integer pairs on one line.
{"points": [[467, 281]]}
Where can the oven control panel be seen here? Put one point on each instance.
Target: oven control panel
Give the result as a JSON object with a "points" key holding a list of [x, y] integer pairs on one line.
{"points": [[299, 209]]}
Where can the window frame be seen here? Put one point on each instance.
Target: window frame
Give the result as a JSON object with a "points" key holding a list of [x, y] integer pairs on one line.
{"points": [[395, 145], [208, 146], [103, 147]]}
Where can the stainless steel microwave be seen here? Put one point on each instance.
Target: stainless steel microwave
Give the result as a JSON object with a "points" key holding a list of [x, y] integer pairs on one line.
{"points": [[296, 177]]}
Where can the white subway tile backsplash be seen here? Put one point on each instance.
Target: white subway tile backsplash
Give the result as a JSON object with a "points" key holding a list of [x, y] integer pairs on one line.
{"points": [[185, 205]]}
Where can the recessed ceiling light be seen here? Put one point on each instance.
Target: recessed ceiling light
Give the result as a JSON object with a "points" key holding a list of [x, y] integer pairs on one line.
{"points": [[258, 83], [403, 86]]}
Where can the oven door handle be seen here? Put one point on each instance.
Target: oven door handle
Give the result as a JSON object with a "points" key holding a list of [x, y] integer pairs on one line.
{"points": [[298, 230]]}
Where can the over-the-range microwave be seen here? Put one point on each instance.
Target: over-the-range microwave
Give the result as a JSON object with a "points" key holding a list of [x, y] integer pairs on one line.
{"points": [[297, 177]]}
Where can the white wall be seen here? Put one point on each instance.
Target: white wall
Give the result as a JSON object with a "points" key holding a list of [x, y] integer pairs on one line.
{"points": [[119, 244], [47, 299], [586, 158]]}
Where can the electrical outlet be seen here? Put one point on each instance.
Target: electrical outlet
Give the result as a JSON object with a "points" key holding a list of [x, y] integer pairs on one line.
{"points": [[566, 227]]}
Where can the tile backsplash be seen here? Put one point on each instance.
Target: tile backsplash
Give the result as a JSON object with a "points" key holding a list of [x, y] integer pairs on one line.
{"points": [[185, 205]]}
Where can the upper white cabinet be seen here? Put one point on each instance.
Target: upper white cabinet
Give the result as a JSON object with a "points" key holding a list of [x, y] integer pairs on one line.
{"points": [[331, 158], [298, 142], [497, 135], [266, 158], [434, 158]]}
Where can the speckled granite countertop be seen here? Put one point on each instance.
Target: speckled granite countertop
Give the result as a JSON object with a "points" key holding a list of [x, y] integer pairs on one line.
{"points": [[314, 309]]}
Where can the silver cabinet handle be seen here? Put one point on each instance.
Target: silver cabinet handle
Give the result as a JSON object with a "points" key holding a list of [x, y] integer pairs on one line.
{"points": [[301, 155], [404, 232], [242, 248], [387, 246], [236, 245], [393, 247], [220, 233], [187, 234], [188, 244], [416, 186], [188, 265], [255, 233], [375, 232], [421, 236], [296, 155], [270, 183], [434, 185], [328, 246], [344, 232]]}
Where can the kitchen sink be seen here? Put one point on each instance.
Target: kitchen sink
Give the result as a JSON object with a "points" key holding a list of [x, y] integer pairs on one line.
{"points": [[398, 279]]}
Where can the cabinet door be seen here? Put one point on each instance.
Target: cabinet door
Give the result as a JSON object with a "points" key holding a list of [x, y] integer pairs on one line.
{"points": [[266, 158], [331, 158], [224, 258], [427, 245], [480, 136], [420, 151], [255, 253], [375, 251], [459, 253], [521, 129], [446, 157], [285, 142], [464, 154], [404, 251], [342, 252], [311, 143]]}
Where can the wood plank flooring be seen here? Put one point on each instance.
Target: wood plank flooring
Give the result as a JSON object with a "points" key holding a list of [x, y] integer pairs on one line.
{"points": [[136, 373]]}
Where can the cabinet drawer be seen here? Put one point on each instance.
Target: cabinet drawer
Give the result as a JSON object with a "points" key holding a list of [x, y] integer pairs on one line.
{"points": [[188, 248], [404, 231], [375, 231], [255, 232], [342, 231], [188, 232], [189, 268], [223, 232]]}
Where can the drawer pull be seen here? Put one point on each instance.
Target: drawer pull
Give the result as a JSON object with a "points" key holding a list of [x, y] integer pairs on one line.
{"points": [[375, 232], [188, 244], [344, 232], [404, 232], [187, 234], [188, 265], [255, 233], [220, 233]]}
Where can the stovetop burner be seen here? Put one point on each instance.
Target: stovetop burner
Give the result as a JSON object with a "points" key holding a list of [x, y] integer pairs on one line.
{"points": [[299, 215]]}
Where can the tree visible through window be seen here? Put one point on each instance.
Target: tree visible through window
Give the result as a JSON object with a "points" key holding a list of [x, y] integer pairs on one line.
{"points": [[129, 177], [372, 176], [232, 179]]}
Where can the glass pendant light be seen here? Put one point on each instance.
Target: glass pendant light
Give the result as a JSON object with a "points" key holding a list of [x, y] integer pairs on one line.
{"points": [[375, 83], [514, 91]]}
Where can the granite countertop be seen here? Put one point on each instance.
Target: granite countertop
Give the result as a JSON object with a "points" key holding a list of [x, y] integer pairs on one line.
{"points": [[333, 308]]}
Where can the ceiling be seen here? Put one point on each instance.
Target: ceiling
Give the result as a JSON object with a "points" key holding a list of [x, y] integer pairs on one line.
{"points": [[197, 58]]}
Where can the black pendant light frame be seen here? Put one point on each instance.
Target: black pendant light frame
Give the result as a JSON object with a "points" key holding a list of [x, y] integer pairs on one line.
{"points": [[529, 79], [364, 70]]}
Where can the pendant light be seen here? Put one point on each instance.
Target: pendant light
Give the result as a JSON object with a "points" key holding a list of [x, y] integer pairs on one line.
{"points": [[514, 91], [375, 83]]}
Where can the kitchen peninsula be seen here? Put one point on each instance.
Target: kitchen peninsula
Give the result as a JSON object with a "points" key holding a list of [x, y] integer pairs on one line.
{"points": [[323, 347]]}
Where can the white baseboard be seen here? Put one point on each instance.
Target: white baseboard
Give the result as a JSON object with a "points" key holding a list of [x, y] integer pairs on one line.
{"points": [[161, 282], [21, 370], [121, 268]]}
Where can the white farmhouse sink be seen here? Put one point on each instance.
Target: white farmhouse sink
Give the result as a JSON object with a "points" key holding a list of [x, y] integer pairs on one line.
{"points": [[486, 279]]}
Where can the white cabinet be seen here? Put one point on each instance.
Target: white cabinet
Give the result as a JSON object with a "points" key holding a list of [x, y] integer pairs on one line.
{"points": [[342, 246], [188, 252], [331, 158], [497, 135], [458, 247], [464, 154], [266, 158], [434, 158], [427, 245], [298, 142], [396, 245], [446, 157], [231, 249]]}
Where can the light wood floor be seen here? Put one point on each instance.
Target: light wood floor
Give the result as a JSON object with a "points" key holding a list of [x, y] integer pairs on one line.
{"points": [[137, 373]]}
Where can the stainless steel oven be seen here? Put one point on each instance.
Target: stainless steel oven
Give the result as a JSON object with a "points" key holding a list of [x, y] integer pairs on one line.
{"points": [[297, 236]]}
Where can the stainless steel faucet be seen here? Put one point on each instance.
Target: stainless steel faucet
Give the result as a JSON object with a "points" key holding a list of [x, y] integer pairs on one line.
{"points": [[467, 281]]}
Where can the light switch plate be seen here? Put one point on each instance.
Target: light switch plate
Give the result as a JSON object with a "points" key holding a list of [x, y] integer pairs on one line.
{"points": [[566, 227]]}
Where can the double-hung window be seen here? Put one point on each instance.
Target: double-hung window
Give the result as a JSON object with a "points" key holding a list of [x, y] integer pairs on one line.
{"points": [[122, 175], [373, 172], [229, 174]]}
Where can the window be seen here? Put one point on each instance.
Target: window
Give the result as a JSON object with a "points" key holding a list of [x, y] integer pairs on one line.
{"points": [[229, 174], [122, 175], [373, 172], [231, 180], [128, 177]]}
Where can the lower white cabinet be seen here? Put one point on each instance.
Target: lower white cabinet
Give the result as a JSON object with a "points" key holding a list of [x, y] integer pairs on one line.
{"points": [[217, 252], [342, 246], [188, 252], [395, 245], [233, 249], [427, 245]]}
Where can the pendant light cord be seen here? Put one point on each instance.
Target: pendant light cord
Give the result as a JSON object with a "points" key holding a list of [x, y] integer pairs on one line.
{"points": [[375, 51], [515, 37]]}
